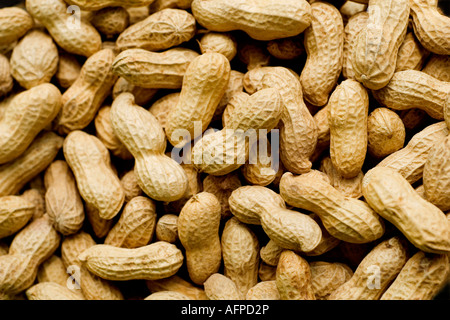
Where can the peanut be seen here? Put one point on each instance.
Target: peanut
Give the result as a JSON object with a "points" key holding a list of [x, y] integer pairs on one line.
{"points": [[286, 48], [254, 55], [68, 69], [17, 272], [130, 185], [326, 277], [94, 5], [15, 212], [99, 226], [220, 287], [161, 107], [111, 21], [14, 23], [167, 228], [158, 5], [219, 42], [177, 284], [167, 295], [264, 290], [438, 66], [6, 80], [142, 95], [352, 29], [50, 291], [411, 55]]}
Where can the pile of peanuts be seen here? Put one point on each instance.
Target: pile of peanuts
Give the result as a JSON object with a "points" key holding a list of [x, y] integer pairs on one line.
{"points": [[350, 99]]}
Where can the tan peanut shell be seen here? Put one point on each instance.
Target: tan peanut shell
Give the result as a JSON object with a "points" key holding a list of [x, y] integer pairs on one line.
{"points": [[421, 278], [431, 27], [348, 110], [167, 295], [17, 272], [111, 21], [94, 5], [324, 43], [130, 185], [266, 272], [167, 228], [415, 89], [74, 35], [177, 284], [6, 80], [15, 212], [289, 229], [327, 277], [411, 55], [240, 252], [327, 243], [138, 13], [105, 133], [85, 96], [298, 130], [385, 132], [220, 287], [28, 113], [50, 291], [270, 253], [436, 177], [154, 261], [438, 66], [323, 133], [352, 29], [235, 86], [161, 107], [253, 54], [286, 48], [160, 31], [99, 226], [156, 70], [204, 85], [39, 67], [410, 160], [345, 218], [198, 231], [260, 22], [375, 54], [62, 200], [158, 175], [37, 199], [68, 69], [375, 272], [53, 270], [238, 99], [222, 187], [136, 225], [15, 174], [264, 290], [293, 277], [351, 8], [158, 5], [142, 95], [220, 42], [421, 222], [97, 183], [14, 23]]}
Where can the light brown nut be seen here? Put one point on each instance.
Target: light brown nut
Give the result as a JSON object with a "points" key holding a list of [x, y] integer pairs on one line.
{"points": [[323, 135], [31, 70], [289, 229], [178, 284], [105, 133], [160, 31], [92, 286], [198, 231], [349, 187], [167, 228], [17, 273], [141, 95], [260, 20], [224, 151], [62, 199], [15, 212], [158, 5], [222, 187], [155, 70], [421, 191], [438, 66], [161, 107], [6, 80], [385, 132], [86, 95], [240, 251], [130, 185], [94, 5], [421, 278], [136, 225], [270, 253], [50, 291], [327, 277], [411, 55], [38, 239], [99, 226], [436, 178], [220, 42], [348, 110], [167, 295], [266, 272], [137, 14], [421, 222], [347, 219], [352, 29], [375, 272], [286, 48], [298, 130], [14, 23], [53, 270], [351, 8], [15, 174], [111, 21], [28, 114], [411, 160], [238, 99], [415, 89], [37, 198], [220, 287], [155, 261], [158, 175], [204, 85], [324, 45], [375, 54], [73, 34], [431, 27], [413, 118], [293, 277], [264, 290], [235, 86], [252, 79], [327, 243], [68, 69], [97, 183]]}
